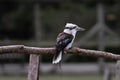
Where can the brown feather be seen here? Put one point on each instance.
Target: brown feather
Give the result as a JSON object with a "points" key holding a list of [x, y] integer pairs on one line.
{"points": [[62, 36]]}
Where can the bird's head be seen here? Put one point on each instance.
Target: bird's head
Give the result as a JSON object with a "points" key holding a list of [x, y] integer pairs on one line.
{"points": [[72, 28]]}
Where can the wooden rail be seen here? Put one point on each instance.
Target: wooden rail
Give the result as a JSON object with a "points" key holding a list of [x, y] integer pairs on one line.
{"points": [[33, 73]]}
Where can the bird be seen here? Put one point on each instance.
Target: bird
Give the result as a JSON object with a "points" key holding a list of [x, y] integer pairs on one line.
{"points": [[65, 40]]}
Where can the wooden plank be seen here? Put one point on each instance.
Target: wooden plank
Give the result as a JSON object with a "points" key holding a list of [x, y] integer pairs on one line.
{"points": [[118, 70], [107, 74], [34, 59], [33, 71]]}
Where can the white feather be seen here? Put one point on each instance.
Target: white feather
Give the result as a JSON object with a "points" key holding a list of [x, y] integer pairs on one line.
{"points": [[70, 25], [58, 58]]}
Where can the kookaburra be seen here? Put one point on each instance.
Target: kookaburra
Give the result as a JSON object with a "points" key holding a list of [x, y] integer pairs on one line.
{"points": [[65, 40]]}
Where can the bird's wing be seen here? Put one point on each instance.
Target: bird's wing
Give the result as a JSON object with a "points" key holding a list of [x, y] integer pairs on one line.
{"points": [[63, 40]]}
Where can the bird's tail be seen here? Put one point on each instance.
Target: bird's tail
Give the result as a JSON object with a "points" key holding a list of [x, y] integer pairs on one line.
{"points": [[57, 57]]}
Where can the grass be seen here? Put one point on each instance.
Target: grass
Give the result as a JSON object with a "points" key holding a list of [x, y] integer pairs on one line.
{"points": [[57, 77], [71, 77]]}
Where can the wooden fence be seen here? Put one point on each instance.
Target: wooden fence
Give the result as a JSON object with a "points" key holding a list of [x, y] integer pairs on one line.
{"points": [[33, 71]]}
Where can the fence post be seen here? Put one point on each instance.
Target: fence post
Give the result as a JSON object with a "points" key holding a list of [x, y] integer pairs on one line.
{"points": [[107, 74], [33, 71], [118, 70]]}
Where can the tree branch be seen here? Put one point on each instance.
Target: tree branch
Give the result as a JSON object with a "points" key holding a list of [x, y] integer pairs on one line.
{"points": [[35, 50]]}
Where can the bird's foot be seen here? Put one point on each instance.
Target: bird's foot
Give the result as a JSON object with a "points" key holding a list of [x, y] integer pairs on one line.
{"points": [[65, 52]]}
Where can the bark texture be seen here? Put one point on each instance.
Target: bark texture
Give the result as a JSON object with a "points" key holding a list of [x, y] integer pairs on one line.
{"points": [[75, 50]]}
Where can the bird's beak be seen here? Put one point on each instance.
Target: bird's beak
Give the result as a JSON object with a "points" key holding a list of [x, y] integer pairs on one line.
{"points": [[80, 29]]}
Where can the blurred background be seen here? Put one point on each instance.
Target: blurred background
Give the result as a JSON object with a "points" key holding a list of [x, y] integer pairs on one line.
{"points": [[38, 22]]}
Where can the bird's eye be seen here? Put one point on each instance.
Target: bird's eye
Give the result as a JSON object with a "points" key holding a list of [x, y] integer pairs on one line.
{"points": [[73, 27], [70, 27]]}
